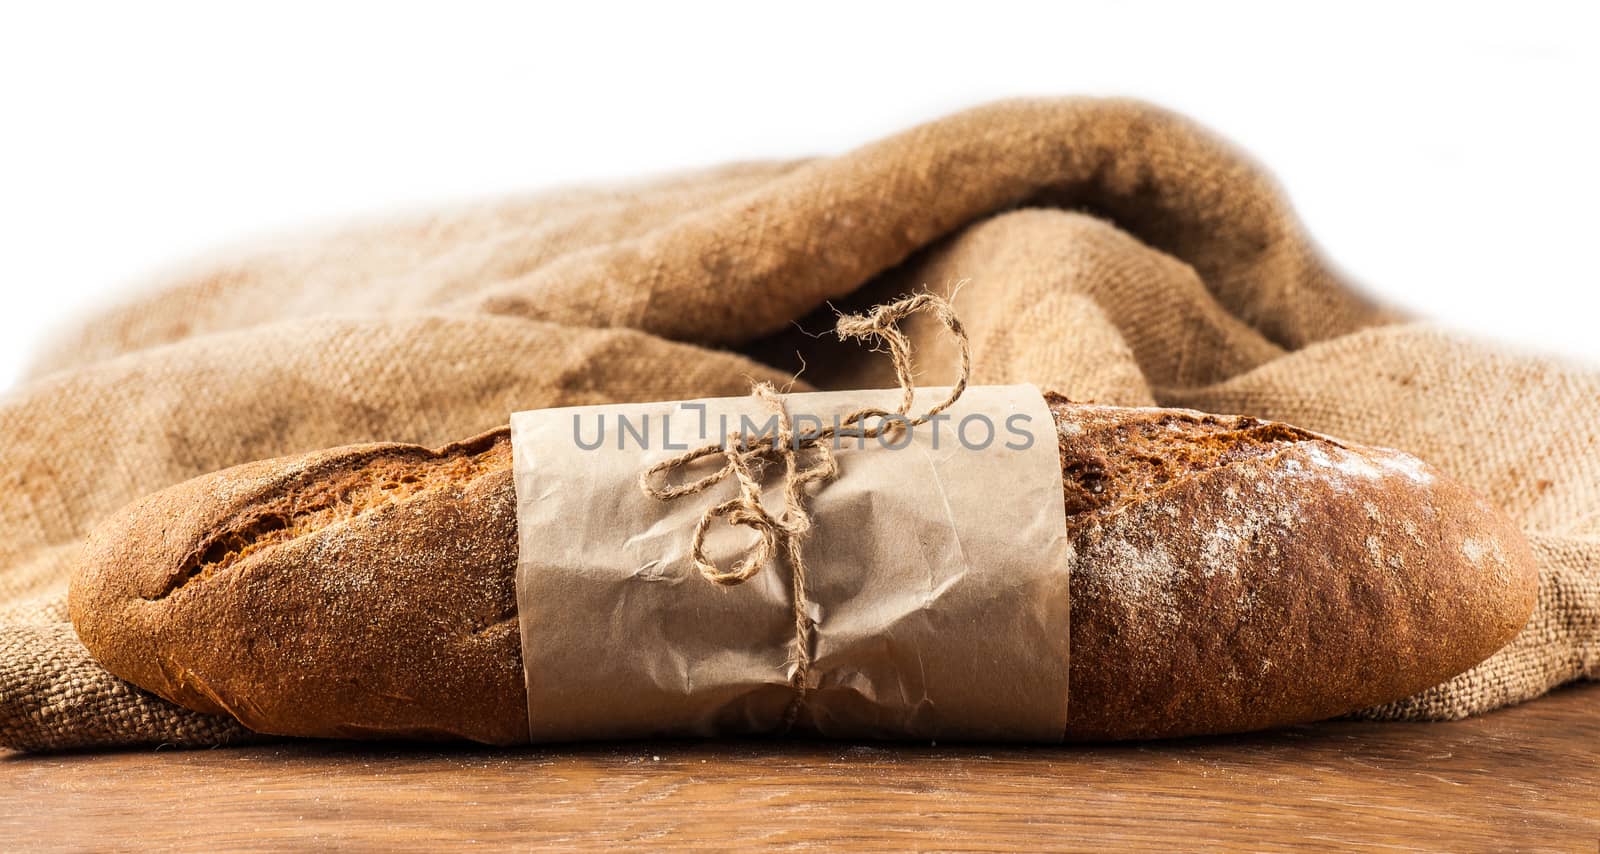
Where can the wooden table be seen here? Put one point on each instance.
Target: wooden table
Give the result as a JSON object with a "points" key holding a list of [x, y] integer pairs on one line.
{"points": [[1526, 778]]}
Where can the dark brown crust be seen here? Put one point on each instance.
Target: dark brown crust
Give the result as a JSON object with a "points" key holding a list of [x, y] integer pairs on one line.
{"points": [[1235, 574], [399, 621], [1229, 574]]}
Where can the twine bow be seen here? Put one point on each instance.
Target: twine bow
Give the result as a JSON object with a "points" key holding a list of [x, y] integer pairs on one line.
{"points": [[745, 460]]}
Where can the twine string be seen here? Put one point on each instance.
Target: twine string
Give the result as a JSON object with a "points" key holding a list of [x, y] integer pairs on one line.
{"points": [[805, 459]]}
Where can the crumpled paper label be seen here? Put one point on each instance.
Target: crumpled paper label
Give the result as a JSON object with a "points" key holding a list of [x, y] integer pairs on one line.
{"points": [[937, 565]]}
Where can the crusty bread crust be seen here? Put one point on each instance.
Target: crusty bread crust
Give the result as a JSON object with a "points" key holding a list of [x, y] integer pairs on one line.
{"points": [[1229, 574], [362, 591], [1232, 574]]}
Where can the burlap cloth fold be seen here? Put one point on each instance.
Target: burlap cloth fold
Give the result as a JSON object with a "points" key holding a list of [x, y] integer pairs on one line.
{"points": [[1114, 252]]}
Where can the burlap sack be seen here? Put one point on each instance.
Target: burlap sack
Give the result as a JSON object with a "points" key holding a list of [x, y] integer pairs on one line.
{"points": [[1114, 252]]}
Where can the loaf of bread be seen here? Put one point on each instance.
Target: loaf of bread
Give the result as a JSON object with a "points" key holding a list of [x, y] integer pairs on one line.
{"points": [[1228, 574]]}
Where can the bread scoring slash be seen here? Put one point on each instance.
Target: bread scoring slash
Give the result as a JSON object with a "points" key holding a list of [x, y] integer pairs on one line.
{"points": [[1228, 574]]}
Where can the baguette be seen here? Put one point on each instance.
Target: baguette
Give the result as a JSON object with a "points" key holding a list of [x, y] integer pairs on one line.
{"points": [[1228, 574]]}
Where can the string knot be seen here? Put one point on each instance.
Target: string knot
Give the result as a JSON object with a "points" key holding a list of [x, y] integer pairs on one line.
{"points": [[804, 459]]}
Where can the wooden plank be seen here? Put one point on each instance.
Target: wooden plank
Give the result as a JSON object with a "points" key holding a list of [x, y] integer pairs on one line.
{"points": [[1526, 778]]}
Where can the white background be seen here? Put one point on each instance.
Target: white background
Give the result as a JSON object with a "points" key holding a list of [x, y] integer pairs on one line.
{"points": [[1444, 155]]}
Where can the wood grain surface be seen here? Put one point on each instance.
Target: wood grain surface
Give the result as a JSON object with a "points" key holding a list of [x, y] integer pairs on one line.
{"points": [[1526, 778]]}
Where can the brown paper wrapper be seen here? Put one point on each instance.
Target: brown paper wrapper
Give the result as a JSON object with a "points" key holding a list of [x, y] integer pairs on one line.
{"points": [[938, 578]]}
